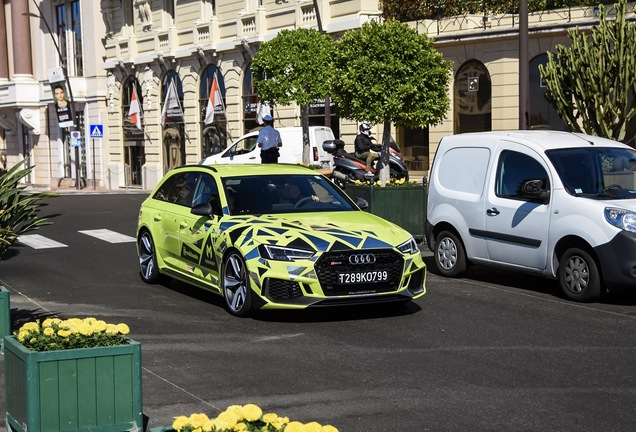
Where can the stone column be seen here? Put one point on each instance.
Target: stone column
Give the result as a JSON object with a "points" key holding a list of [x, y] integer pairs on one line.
{"points": [[21, 35]]}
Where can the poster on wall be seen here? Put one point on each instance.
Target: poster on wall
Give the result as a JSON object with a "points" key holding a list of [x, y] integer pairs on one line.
{"points": [[62, 105]]}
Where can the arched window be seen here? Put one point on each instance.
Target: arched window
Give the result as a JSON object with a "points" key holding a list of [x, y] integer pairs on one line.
{"points": [[213, 118], [173, 135], [472, 98], [542, 113], [132, 112]]}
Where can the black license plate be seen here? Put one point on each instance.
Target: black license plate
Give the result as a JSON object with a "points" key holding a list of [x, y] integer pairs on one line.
{"points": [[363, 277]]}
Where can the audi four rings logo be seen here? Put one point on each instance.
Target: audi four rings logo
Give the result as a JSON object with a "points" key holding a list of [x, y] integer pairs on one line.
{"points": [[362, 259]]}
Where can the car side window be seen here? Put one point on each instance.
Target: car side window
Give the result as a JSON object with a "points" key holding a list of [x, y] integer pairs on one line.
{"points": [[205, 190], [514, 168], [178, 189]]}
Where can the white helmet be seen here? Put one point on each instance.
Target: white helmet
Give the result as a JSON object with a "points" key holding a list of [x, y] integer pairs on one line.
{"points": [[365, 128]]}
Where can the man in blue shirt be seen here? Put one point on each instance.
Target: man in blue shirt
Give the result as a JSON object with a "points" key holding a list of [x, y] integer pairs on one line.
{"points": [[269, 141]]}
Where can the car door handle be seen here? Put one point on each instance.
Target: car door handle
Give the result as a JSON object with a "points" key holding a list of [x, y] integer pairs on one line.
{"points": [[156, 218], [493, 211], [183, 225]]}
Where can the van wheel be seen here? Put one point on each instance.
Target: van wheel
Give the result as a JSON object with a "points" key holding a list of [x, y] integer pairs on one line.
{"points": [[579, 277], [450, 257]]}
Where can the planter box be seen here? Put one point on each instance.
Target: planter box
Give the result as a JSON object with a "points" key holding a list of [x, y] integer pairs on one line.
{"points": [[5, 315], [88, 389], [404, 206]]}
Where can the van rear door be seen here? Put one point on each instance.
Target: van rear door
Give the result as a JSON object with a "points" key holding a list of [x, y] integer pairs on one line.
{"points": [[319, 136]]}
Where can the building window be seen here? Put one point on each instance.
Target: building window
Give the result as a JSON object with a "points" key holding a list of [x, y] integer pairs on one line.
{"points": [[129, 20], [472, 98], [213, 120], [316, 115], [250, 102], [209, 9], [170, 12], [172, 121], [134, 152], [542, 114], [68, 24]]}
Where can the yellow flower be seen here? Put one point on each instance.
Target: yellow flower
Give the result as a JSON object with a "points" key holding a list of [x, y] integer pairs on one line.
{"points": [[85, 329], [209, 426], [240, 427], [198, 420], [179, 423], [226, 420], [294, 426], [329, 428], [252, 412], [48, 331], [64, 333], [99, 325], [89, 320], [31, 326], [312, 427], [123, 328], [50, 322], [111, 329]]}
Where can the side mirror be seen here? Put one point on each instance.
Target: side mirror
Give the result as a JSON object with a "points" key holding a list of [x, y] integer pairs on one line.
{"points": [[535, 189], [362, 203], [212, 208]]}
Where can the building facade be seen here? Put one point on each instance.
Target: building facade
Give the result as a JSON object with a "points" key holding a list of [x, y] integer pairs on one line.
{"points": [[149, 70], [37, 39]]}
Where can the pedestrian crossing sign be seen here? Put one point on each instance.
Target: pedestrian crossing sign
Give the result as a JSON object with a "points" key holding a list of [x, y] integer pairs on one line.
{"points": [[97, 131]]}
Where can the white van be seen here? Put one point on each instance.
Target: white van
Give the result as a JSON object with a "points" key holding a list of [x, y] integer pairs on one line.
{"points": [[558, 204], [244, 150]]}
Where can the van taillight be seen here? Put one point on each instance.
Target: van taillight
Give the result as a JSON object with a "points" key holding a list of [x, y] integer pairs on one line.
{"points": [[315, 154]]}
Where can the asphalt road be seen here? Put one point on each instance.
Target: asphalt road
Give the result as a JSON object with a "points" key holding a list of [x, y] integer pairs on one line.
{"points": [[495, 351]]}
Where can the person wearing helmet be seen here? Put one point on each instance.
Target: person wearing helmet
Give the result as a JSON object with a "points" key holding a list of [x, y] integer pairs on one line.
{"points": [[364, 147]]}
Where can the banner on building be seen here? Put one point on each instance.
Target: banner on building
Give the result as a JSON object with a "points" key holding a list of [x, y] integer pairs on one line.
{"points": [[172, 112], [62, 105], [215, 101], [134, 112]]}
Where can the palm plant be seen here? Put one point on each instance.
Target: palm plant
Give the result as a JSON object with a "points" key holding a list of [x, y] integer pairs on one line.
{"points": [[18, 209]]}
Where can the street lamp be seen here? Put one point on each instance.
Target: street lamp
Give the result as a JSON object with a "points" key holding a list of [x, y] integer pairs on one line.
{"points": [[524, 73], [68, 83]]}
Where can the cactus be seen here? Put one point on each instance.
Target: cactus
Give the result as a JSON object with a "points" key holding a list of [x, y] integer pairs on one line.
{"points": [[592, 82]]}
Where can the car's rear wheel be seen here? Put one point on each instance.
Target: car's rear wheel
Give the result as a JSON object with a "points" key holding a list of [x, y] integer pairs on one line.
{"points": [[148, 267], [579, 277], [236, 285], [450, 257]]}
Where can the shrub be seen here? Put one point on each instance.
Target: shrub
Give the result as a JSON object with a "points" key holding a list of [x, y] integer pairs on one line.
{"points": [[19, 210]]}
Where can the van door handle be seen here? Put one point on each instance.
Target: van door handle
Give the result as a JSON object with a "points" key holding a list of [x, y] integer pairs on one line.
{"points": [[493, 211]]}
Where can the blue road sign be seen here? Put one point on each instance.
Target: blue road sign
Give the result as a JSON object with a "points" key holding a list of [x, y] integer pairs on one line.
{"points": [[97, 131]]}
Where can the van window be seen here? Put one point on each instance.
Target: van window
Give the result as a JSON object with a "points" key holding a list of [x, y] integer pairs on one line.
{"points": [[463, 169], [513, 168]]}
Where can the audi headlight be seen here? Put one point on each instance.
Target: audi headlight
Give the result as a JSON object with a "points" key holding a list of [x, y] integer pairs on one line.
{"points": [[409, 247], [279, 253], [623, 219]]}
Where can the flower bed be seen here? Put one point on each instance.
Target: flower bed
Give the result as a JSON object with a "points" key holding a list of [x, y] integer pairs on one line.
{"points": [[237, 418], [73, 375]]}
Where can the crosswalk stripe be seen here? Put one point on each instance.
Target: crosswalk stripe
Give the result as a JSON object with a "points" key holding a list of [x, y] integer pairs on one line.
{"points": [[37, 241], [109, 236]]}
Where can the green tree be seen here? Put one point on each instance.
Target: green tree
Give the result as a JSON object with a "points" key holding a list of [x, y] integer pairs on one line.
{"points": [[294, 67], [19, 210], [592, 82], [387, 73]]}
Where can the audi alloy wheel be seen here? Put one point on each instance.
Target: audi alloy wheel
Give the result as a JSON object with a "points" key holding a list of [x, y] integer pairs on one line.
{"points": [[236, 285]]}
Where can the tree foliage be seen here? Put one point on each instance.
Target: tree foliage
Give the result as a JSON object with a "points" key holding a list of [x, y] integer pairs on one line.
{"points": [[592, 82], [294, 67], [19, 210], [387, 73]]}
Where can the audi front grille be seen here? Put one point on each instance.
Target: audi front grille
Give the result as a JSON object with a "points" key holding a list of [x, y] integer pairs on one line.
{"points": [[331, 264]]}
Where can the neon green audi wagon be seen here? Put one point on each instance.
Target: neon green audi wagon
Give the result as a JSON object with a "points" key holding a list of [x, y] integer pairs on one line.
{"points": [[273, 236]]}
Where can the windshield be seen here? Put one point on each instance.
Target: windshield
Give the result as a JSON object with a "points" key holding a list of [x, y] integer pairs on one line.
{"points": [[271, 194], [601, 173]]}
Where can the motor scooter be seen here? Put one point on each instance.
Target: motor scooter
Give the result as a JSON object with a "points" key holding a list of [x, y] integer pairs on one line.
{"points": [[348, 168]]}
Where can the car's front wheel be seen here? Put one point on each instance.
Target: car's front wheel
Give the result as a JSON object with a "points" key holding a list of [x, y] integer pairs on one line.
{"points": [[450, 257], [579, 277], [148, 267], [236, 288]]}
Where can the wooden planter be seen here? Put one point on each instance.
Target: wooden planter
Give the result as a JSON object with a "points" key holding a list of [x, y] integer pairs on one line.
{"points": [[404, 205], [88, 389], [5, 315]]}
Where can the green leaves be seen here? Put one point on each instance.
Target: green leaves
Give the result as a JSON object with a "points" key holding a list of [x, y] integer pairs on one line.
{"points": [[19, 210], [294, 67], [387, 72], [592, 82]]}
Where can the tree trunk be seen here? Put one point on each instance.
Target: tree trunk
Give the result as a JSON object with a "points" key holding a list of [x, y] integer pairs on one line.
{"points": [[304, 121], [385, 170]]}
